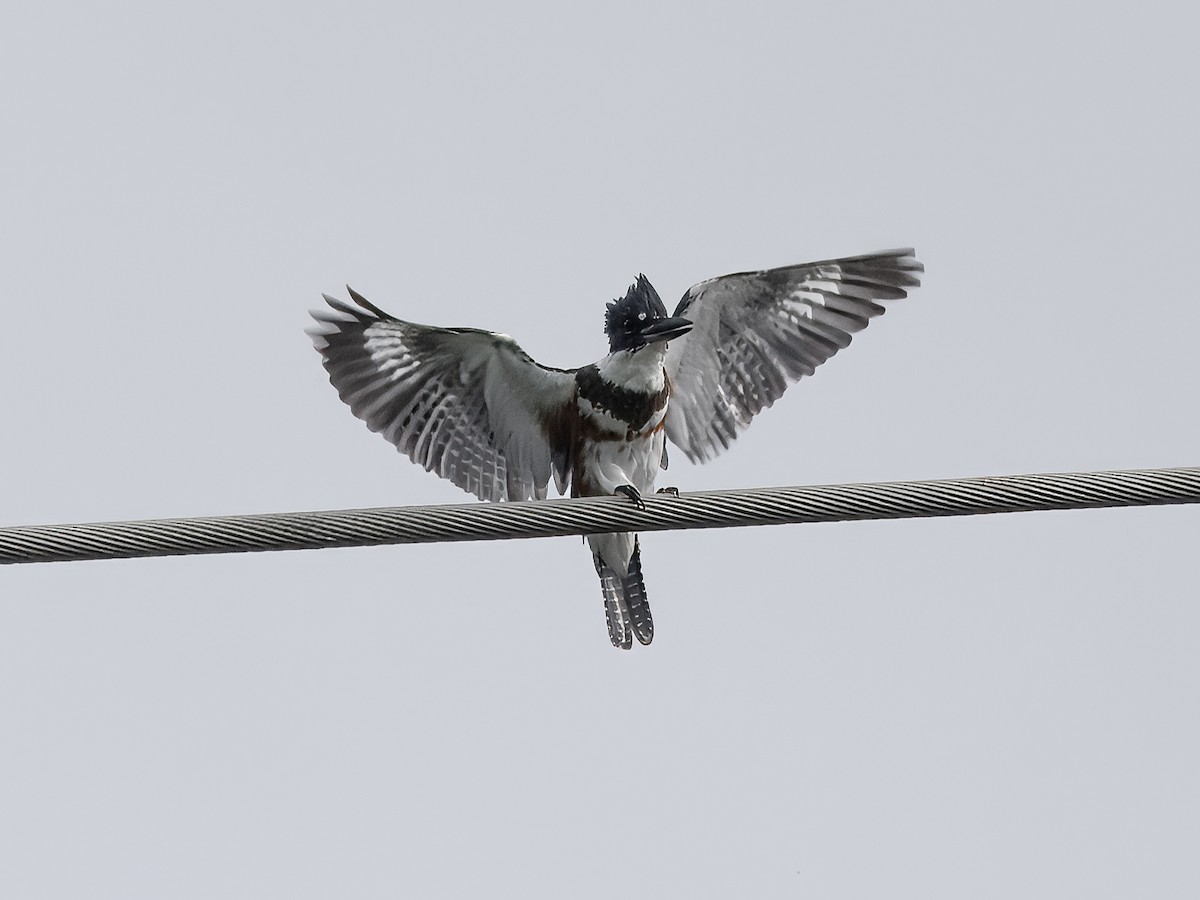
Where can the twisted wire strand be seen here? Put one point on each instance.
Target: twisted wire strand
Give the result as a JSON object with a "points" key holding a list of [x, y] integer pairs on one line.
{"points": [[595, 515]]}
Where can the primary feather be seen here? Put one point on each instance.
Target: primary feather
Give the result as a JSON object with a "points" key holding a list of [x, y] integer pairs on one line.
{"points": [[754, 333], [470, 405]]}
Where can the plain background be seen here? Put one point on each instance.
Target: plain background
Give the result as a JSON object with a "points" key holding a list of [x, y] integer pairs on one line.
{"points": [[995, 707]]}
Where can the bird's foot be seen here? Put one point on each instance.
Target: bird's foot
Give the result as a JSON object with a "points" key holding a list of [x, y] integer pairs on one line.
{"points": [[633, 494], [673, 491]]}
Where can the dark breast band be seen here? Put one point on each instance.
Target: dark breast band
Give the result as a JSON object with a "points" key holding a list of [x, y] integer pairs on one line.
{"points": [[634, 408]]}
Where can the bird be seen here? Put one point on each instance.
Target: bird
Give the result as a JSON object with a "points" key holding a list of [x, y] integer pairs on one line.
{"points": [[476, 409]]}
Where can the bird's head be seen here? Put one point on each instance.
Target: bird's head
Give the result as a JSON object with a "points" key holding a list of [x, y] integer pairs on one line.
{"points": [[639, 319]]}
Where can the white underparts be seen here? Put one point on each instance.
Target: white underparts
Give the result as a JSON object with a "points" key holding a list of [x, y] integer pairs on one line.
{"points": [[623, 459]]}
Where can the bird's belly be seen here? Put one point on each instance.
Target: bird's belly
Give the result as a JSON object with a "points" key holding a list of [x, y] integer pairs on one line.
{"points": [[639, 459], [611, 454], [605, 464]]}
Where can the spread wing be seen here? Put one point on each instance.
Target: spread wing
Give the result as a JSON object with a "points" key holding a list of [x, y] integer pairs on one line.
{"points": [[757, 332], [470, 405]]}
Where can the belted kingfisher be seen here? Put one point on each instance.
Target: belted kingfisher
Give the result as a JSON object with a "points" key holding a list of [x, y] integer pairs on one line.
{"points": [[476, 409]]}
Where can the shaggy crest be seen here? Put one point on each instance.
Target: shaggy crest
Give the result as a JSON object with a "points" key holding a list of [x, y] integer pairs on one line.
{"points": [[624, 317]]}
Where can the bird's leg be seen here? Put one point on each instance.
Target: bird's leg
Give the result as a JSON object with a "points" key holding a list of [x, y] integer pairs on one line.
{"points": [[673, 491], [632, 493]]}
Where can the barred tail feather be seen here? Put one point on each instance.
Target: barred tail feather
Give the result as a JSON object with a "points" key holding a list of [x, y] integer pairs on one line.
{"points": [[619, 629], [635, 598], [625, 604]]}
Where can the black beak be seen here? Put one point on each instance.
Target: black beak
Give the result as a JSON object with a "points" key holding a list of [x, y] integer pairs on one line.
{"points": [[665, 329]]}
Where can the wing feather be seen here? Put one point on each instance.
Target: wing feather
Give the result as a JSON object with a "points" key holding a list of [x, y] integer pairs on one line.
{"points": [[468, 405], [754, 333]]}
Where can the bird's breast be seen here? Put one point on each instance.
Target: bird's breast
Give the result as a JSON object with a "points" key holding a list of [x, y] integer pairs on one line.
{"points": [[610, 411]]}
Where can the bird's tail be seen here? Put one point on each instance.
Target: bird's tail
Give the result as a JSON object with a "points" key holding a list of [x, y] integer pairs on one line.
{"points": [[625, 603]]}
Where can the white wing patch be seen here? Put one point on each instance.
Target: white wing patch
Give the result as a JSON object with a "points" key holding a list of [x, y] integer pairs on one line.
{"points": [[756, 332], [469, 405]]}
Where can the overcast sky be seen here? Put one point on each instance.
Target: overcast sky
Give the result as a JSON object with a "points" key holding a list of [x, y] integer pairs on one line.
{"points": [[999, 706]]}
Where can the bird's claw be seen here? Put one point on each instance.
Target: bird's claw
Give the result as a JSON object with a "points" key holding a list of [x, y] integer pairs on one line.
{"points": [[633, 494], [673, 491]]}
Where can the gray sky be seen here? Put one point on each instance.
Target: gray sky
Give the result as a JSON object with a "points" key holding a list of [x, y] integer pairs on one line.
{"points": [[994, 707]]}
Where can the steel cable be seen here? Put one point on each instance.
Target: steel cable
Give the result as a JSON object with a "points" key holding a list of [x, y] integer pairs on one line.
{"points": [[594, 515]]}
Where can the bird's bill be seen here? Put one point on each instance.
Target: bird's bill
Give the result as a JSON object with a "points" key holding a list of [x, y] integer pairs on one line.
{"points": [[666, 329]]}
